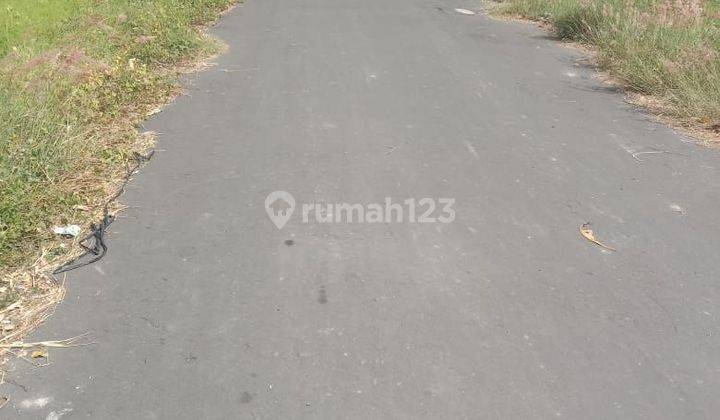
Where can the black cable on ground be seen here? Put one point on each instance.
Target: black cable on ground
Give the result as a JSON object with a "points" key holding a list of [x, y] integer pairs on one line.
{"points": [[98, 248]]}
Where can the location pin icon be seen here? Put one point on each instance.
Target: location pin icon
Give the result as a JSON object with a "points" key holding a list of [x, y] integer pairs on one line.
{"points": [[279, 206]]}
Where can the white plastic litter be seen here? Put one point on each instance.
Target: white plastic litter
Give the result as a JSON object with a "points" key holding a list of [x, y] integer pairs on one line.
{"points": [[69, 230], [465, 11]]}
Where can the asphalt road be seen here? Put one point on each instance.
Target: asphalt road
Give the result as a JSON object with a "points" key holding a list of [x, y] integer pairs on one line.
{"points": [[204, 309]]}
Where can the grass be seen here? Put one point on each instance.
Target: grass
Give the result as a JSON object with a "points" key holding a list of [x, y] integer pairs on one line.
{"points": [[667, 49], [76, 79], [22, 19]]}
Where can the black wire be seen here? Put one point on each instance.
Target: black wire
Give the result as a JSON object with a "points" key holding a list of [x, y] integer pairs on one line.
{"points": [[97, 230]]}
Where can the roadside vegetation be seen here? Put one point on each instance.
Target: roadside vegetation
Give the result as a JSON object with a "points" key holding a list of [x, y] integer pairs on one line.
{"points": [[666, 49], [76, 79]]}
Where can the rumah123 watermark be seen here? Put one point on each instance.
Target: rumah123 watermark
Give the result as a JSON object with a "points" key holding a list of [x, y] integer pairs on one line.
{"points": [[280, 206]]}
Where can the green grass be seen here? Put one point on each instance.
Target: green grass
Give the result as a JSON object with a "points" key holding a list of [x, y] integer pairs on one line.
{"points": [[76, 78], [669, 49], [37, 21]]}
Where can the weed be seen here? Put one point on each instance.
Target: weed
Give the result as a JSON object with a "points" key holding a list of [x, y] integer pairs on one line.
{"points": [[667, 49], [76, 79]]}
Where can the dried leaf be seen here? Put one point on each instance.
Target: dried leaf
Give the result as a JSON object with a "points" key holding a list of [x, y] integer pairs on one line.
{"points": [[38, 354], [15, 305], [588, 234]]}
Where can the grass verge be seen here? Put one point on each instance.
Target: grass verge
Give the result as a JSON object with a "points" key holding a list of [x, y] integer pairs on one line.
{"points": [[666, 49], [76, 79]]}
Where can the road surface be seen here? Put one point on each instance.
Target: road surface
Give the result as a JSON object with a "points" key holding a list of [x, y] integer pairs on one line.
{"points": [[205, 309]]}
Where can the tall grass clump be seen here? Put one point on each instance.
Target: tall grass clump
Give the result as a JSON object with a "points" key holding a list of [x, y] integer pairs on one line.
{"points": [[668, 49]]}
